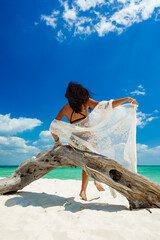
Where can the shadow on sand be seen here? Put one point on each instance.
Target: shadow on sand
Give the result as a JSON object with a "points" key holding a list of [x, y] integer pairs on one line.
{"points": [[45, 200]]}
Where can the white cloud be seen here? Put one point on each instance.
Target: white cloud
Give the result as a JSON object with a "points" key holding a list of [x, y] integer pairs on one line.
{"points": [[156, 111], [150, 119], [60, 36], [45, 140], [16, 125], [139, 91], [45, 136], [83, 30], [36, 23], [141, 147], [104, 27], [158, 15], [87, 4], [140, 86], [51, 20], [83, 26], [143, 118], [69, 15], [14, 150], [148, 156], [135, 11], [16, 144], [106, 16]]}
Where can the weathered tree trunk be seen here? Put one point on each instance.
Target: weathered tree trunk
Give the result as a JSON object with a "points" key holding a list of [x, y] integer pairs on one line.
{"points": [[139, 190]]}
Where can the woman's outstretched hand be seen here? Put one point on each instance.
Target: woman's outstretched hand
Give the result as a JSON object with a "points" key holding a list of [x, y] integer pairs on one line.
{"points": [[57, 143], [133, 101]]}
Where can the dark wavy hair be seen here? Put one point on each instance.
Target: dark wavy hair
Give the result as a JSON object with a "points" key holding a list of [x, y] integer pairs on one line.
{"points": [[77, 95]]}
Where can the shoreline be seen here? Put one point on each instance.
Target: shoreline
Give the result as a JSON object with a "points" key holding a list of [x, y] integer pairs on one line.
{"points": [[151, 172], [52, 209]]}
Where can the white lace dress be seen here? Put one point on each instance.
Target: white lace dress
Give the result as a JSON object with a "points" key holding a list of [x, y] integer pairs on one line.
{"points": [[106, 130]]}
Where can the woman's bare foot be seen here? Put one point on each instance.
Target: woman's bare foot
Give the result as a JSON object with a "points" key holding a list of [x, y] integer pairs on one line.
{"points": [[98, 186], [83, 195]]}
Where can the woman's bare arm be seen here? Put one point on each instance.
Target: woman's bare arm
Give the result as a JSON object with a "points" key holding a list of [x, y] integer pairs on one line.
{"points": [[118, 102], [92, 103], [60, 115]]}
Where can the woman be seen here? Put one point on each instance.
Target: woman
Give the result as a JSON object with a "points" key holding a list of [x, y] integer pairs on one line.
{"points": [[76, 110]]}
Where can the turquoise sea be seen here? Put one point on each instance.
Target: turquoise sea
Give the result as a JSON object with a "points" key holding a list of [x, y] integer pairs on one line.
{"points": [[152, 172]]}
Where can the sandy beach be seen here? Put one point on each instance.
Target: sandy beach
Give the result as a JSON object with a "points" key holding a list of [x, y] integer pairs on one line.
{"points": [[52, 209]]}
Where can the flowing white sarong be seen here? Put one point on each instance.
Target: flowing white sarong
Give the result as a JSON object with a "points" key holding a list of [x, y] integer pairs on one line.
{"points": [[107, 131]]}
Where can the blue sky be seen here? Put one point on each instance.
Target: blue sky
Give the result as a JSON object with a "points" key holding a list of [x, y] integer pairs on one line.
{"points": [[110, 47]]}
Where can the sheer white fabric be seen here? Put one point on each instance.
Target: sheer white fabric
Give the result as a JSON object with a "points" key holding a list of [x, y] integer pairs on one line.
{"points": [[106, 130]]}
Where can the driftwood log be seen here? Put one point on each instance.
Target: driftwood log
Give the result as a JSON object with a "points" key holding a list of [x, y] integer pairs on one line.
{"points": [[139, 190]]}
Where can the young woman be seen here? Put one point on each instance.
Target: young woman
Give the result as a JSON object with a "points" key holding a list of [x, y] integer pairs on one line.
{"points": [[76, 110]]}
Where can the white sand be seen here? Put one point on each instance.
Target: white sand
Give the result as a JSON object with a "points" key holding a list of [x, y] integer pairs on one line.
{"points": [[52, 209]]}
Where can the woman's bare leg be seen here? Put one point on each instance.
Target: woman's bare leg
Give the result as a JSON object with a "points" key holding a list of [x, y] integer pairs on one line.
{"points": [[98, 185], [85, 179]]}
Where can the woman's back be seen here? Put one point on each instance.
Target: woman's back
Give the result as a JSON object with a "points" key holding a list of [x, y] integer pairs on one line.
{"points": [[74, 117]]}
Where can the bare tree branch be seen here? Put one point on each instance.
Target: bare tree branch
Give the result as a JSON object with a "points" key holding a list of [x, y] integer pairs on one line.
{"points": [[139, 190]]}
